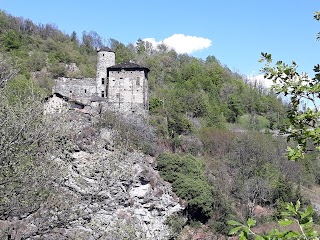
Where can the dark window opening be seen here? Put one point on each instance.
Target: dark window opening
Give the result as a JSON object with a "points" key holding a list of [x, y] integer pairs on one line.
{"points": [[102, 93], [85, 91], [103, 54], [102, 80]]}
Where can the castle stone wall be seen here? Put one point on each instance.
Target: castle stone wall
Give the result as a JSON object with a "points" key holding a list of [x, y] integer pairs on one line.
{"points": [[124, 87], [80, 89], [127, 91], [55, 104], [105, 59]]}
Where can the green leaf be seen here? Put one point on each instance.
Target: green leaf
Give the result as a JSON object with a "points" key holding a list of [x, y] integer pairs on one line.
{"points": [[243, 236], [235, 230], [234, 223], [292, 235], [307, 224], [291, 208], [285, 222], [257, 237], [251, 222], [307, 212]]}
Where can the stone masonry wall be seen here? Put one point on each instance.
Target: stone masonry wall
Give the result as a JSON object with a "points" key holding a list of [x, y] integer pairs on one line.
{"points": [[81, 90], [127, 91], [55, 104], [105, 60]]}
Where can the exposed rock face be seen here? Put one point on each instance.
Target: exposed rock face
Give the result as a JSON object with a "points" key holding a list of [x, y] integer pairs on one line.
{"points": [[108, 193], [125, 193]]}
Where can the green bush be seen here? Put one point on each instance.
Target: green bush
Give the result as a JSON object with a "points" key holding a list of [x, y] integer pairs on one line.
{"points": [[154, 104], [188, 181], [179, 124], [175, 222], [20, 88], [12, 40], [198, 194], [254, 121], [172, 166]]}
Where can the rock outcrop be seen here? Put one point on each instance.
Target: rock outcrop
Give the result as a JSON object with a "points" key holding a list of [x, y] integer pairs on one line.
{"points": [[108, 192]]}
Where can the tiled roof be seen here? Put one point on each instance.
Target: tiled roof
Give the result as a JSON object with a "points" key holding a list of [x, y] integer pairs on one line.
{"points": [[105, 49], [128, 66], [68, 99]]}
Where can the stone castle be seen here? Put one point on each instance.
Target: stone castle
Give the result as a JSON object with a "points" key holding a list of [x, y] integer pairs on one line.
{"points": [[122, 87]]}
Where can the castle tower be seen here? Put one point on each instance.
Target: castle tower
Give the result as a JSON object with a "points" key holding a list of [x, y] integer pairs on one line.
{"points": [[128, 87], [106, 58]]}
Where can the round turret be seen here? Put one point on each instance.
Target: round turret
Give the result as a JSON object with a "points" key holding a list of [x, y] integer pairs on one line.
{"points": [[105, 59]]}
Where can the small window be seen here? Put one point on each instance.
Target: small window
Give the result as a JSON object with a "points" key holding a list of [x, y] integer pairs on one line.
{"points": [[102, 80], [103, 55], [138, 81], [102, 93], [85, 91], [121, 78]]}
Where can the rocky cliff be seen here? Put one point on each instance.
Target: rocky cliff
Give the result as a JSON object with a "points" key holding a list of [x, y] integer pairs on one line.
{"points": [[107, 192]]}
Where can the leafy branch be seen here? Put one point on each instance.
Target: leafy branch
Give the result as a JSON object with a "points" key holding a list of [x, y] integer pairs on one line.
{"points": [[304, 122], [292, 216]]}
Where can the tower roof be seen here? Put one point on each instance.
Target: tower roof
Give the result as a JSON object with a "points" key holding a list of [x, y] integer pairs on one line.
{"points": [[128, 66], [104, 49]]}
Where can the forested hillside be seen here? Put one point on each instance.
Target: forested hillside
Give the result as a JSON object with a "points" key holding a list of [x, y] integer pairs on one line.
{"points": [[214, 128], [180, 85]]}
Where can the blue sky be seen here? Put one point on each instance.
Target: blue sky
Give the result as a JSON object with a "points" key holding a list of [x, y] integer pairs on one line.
{"points": [[234, 31]]}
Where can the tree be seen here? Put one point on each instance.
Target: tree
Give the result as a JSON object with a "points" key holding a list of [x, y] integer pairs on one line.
{"points": [[123, 53], [27, 175], [74, 37], [12, 40], [141, 48], [292, 216], [304, 129], [301, 89], [91, 41], [6, 71], [188, 181]]}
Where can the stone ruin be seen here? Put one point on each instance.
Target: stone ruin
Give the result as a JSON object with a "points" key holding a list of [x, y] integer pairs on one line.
{"points": [[121, 88]]}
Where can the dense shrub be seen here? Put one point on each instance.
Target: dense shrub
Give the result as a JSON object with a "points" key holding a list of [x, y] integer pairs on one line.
{"points": [[188, 181]]}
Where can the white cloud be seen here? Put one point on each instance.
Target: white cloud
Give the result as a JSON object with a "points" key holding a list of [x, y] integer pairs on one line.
{"points": [[182, 43], [260, 80]]}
